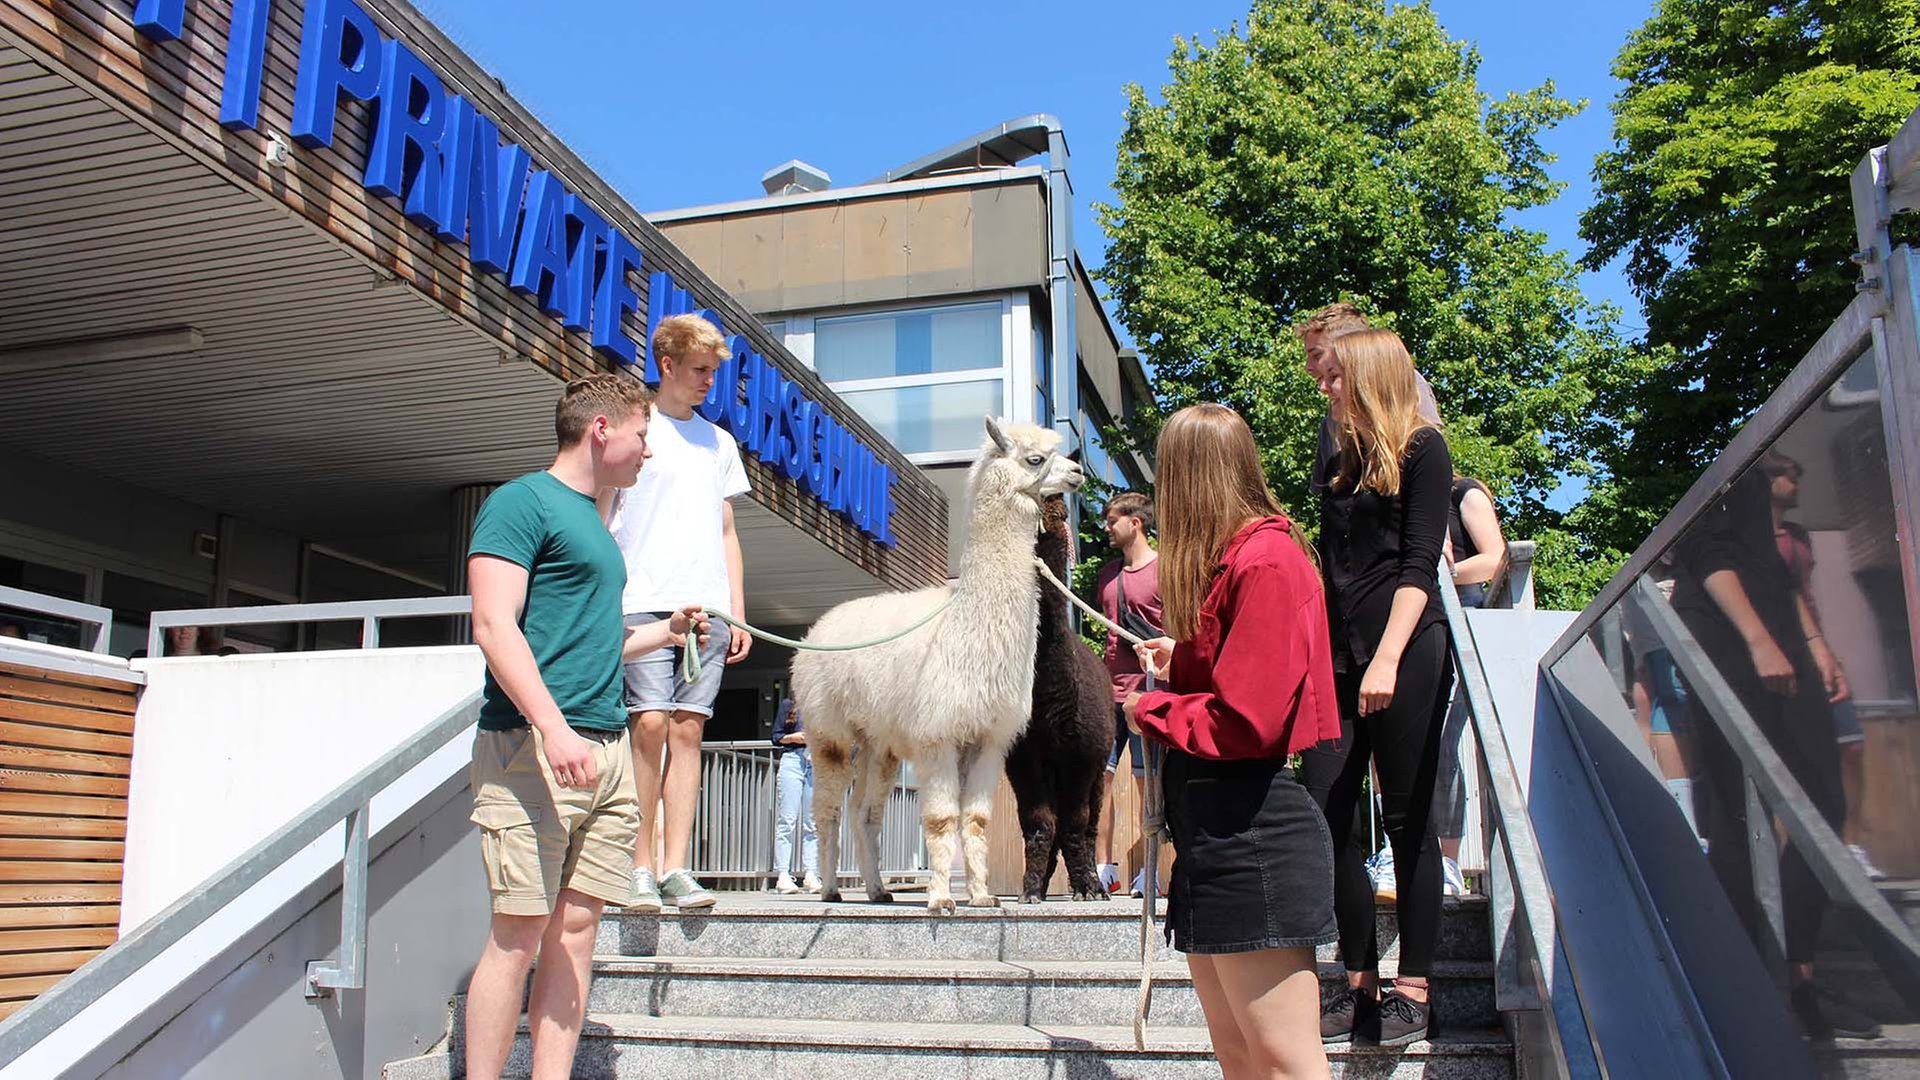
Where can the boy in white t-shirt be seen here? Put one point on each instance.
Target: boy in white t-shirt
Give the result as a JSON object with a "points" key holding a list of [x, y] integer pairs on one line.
{"points": [[675, 529]]}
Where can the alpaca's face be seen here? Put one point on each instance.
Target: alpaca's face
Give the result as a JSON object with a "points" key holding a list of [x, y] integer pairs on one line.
{"points": [[1024, 459]]}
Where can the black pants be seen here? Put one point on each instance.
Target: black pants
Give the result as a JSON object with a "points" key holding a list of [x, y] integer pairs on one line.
{"points": [[1800, 729], [1403, 742]]}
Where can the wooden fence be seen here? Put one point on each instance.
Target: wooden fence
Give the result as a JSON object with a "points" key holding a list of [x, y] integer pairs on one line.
{"points": [[66, 746]]}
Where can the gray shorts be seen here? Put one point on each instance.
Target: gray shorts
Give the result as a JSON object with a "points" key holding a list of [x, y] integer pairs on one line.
{"points": [[655, 682]]}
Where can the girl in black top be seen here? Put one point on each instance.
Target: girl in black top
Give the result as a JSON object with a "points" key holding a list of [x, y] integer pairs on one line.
{"points": [[1385, 494]]}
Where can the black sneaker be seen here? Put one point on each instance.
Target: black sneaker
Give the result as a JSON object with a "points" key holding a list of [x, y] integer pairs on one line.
{"points": [[1399, 1020], [1825, 1016], [1341, 1014]]}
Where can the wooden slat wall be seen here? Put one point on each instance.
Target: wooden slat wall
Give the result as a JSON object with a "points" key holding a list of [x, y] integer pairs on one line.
{"points": [[1006, 860], [66, 746], [174, 88]]}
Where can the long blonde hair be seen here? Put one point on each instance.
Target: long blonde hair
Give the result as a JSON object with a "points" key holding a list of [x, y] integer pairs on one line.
{"points": [[1382, 413], [1209, 486]]}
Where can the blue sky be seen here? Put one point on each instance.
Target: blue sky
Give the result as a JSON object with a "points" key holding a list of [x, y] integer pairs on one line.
{"points": [[683, 105]]}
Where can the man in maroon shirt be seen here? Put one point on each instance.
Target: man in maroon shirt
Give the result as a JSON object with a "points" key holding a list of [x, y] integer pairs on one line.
{"points": [[1137, 573]]}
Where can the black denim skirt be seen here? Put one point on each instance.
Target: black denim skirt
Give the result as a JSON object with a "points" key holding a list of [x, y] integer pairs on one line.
{"points": [[1253, 864]]}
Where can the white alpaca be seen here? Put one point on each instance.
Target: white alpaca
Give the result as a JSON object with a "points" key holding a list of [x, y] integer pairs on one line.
{"points": [[952, 695]]}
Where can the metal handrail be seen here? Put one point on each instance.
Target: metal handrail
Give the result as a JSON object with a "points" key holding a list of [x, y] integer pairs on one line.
{"points": [[100, 618], [350, 801], [1764, 771], [1511, 585], [368, 613], [1518, 888]]}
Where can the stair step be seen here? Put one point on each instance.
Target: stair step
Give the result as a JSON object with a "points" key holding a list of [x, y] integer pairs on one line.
{"points": [[764, 926], [957, 991], [620, 1046], [1895, 1055]]}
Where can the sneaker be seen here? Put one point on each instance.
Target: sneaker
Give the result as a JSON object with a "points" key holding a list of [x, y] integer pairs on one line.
{"points": [[646, 895], [1825, 1016], [1456, 883], [1110, 877], [1399, 1020], [811, 883], [1341, 1013], [785, 884], [1866, 862], [1385, 883], [684, 892]]}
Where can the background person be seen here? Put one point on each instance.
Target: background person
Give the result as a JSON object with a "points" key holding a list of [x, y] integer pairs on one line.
{"points": [[675, 529], [793, 803], [1248, 683], [1383, 520], [1136, 574]]}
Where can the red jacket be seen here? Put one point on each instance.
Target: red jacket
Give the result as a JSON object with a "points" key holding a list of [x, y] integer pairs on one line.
{"points": [[1257, 680]]}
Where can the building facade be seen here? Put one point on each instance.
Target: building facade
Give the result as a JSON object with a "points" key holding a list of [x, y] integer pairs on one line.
{"points": [[289, 287]]}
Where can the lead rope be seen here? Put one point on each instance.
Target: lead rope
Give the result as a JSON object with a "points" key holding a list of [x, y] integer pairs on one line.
{"points": [[1153, 828], [1153, 820]]}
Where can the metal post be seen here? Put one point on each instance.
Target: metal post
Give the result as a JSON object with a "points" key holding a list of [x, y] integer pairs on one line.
{"points": [[370, 632], [1763, 853], [349, 972]]}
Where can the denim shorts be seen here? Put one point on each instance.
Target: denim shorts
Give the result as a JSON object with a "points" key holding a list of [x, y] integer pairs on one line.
{"points": [[1253, 866], [1123, 739], [655, 682]]}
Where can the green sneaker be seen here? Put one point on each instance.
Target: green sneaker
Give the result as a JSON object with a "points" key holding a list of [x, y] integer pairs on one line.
{"points": [[684, 892], [646, 896]]}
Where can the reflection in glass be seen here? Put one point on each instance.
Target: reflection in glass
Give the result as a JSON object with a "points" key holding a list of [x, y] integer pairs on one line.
{"points": [[1779, 616], [918, 419], [850, 347]]}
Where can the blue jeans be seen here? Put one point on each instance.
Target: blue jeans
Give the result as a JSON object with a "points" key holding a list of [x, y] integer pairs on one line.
{"points": [[794, 803]]}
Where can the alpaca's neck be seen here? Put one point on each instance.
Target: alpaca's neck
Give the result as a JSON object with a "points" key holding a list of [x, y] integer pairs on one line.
{"points": [[999, 550], [1054, 616]]}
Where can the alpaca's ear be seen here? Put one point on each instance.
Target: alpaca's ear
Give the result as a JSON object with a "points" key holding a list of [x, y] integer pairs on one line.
{"points": [[999, 437]]}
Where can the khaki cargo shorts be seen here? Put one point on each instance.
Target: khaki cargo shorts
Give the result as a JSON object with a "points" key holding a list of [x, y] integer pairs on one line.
{"points": [[537, 838]]}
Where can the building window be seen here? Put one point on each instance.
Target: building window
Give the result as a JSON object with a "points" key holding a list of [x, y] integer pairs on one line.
{"points": [[778, 328], [922, 378], [1042, 377], [928, 418]]}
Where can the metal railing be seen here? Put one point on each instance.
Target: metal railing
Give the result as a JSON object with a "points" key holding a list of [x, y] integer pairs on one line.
{"points": [[739, 807], [101, 619], [368, 613], [350, 802], [1523, 915]]}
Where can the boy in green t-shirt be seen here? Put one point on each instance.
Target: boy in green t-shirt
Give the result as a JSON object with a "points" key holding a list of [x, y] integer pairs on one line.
{"points": [[553, 787]]}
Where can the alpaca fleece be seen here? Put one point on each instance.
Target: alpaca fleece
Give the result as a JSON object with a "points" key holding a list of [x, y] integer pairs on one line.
{"points": [[1057, 768], [951, 696]]}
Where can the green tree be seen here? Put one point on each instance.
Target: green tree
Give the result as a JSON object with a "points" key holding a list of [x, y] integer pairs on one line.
{"points": [[1339, 149], [1726, 192]]}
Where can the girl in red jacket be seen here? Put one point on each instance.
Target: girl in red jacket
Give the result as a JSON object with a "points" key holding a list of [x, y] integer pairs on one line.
{"points": [[1250, 682]]}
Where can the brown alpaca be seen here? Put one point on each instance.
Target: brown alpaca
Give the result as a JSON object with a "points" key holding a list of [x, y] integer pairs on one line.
{"points": [[1057, 769]]}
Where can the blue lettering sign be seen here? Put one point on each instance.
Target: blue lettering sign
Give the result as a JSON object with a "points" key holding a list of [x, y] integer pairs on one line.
{"points": [[540, 258], [614, 298], [443, 161], [587, 235], [246, 58], [161, 20], [403, 161], [339, 54]]}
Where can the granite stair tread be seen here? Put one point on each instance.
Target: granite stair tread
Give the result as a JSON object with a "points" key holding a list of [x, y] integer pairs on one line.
{"points": [[790, 1032], [960, 969]]}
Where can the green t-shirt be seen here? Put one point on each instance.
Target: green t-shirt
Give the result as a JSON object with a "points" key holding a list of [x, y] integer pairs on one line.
{"points": [[572, 615]]}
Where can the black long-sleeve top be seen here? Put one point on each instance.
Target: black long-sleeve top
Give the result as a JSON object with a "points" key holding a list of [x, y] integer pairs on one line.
{"points": [[1736, 533], [1370, 545]]}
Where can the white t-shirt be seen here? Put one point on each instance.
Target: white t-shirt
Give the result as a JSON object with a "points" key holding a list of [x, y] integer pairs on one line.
{"points": [[668, 524]]}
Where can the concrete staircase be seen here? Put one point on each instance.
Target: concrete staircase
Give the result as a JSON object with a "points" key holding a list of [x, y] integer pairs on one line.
{"points": [[766, 986]]}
